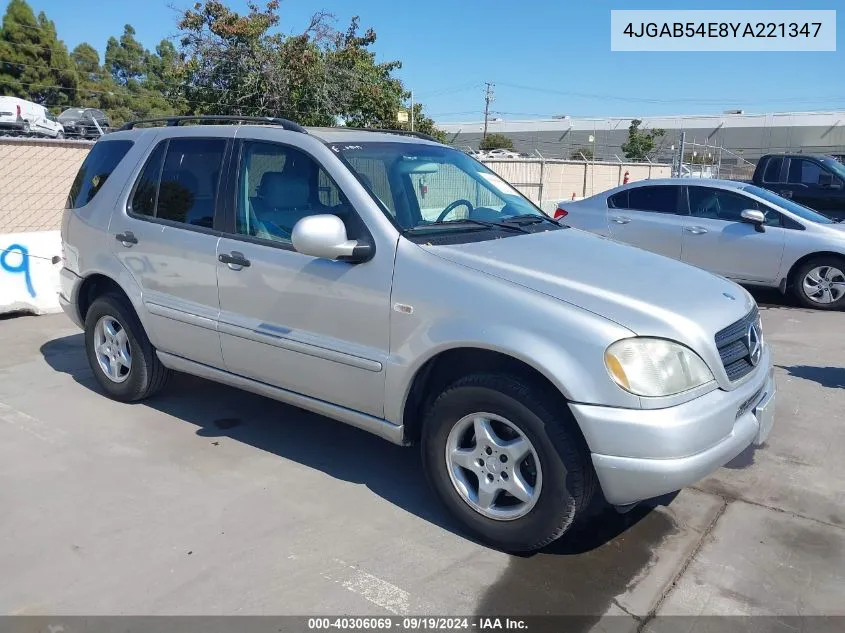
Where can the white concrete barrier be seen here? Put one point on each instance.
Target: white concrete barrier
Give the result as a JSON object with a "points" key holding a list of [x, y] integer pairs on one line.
{"points": [[29, 272]]}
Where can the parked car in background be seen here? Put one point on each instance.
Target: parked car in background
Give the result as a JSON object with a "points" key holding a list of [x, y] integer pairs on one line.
{"points": [[84, 122], [18, 116], [501, 153], [229, 252], [737, 230], [814, 180]]}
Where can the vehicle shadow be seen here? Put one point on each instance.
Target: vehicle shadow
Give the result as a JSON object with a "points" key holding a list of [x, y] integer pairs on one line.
{"points": [[578, 574], [831, 377]]}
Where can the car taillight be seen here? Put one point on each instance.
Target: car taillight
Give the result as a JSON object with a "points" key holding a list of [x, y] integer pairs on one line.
{"points": [[560, 213]]}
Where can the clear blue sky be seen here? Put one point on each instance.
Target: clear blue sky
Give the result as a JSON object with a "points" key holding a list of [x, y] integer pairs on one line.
{"points": [[559, 48]]}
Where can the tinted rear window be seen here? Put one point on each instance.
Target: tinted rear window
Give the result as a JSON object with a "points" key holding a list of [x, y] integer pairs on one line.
{"points": [[95, 170], [663, 199]]}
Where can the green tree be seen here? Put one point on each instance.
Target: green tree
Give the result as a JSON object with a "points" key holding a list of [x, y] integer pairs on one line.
{"points": [[36, 65], [242, 64], [495, 141], [126, 59], [640, 144], [87, 60]]}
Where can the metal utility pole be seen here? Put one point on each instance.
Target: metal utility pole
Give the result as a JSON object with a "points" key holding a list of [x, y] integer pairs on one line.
{"points": [[681, 154], [412, 110], [488, 97]]}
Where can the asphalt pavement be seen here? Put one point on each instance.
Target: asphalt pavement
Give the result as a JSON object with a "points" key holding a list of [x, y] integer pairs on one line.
{"points": [[209, 500]]}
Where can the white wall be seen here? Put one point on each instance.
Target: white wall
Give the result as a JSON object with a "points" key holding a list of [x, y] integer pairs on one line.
{"points": [[29, 272]]}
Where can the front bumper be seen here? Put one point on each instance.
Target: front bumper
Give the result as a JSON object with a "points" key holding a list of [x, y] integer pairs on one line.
{"points": [[640, 454]]}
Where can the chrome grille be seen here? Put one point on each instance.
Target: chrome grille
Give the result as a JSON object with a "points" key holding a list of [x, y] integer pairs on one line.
{"points": [[732, 343]]}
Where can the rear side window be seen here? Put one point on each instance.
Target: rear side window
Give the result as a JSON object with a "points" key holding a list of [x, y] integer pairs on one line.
{"points": [[95, 170], [179, 181], [618, 200], [663, 199], [772, 173]]}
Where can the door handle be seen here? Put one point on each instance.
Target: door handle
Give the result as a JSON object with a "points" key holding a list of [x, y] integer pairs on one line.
{"points": [[127, 238], [695, 230], [234, 260], [786, 193], [621, 219]]}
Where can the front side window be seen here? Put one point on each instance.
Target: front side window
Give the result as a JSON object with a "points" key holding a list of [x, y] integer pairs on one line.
{"points": [[179, 181], [279, 185], [97, 167], [426, 188], [719, 204], [805, 213], [658, 199], [803, 172]]}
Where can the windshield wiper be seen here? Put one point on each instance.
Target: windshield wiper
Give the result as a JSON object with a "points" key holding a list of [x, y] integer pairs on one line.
{"points": [[468, 223], [527, 219]]}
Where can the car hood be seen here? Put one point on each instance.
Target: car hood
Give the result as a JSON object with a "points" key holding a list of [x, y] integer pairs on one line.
{"points": [[649, 294]]}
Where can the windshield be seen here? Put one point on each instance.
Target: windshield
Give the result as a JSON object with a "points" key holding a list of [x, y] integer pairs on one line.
{"points": [[419, 185], [835, 166], [72, 113], [805, 213]]}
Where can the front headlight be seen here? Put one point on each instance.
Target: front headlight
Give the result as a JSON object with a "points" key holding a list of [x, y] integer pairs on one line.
{"points": [[655, 367]]}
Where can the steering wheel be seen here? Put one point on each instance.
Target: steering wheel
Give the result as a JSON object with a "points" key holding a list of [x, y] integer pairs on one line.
{"points": [[453, 206]]}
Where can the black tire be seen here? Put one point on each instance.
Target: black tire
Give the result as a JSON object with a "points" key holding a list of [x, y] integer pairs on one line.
{"points": [[146, 375], [797, 282], [568, 478]]}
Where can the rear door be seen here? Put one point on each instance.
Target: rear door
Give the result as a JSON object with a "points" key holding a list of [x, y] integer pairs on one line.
{"points": [[166, 239], [716, 238], [649, 217]]}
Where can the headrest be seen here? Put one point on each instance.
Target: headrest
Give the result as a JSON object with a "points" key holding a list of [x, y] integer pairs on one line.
{"points": [[283, 190]]}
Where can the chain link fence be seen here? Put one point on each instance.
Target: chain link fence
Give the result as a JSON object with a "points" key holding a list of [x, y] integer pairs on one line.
{"points": [[35, 178]]}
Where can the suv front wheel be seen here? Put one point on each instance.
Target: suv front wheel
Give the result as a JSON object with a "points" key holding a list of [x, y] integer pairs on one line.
{"points": [[507, 463], [121, 356]]}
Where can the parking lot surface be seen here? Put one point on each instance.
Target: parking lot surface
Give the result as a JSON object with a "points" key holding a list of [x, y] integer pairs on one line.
{"points": [[208, 500]]}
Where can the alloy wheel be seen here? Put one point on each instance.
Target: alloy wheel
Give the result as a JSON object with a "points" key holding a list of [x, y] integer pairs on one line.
{"points": [[824, 284], [111, 346], [493, 466]]}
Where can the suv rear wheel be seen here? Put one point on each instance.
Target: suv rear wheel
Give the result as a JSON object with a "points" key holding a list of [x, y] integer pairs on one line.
{"points": [[121, 356], [509, 465]]}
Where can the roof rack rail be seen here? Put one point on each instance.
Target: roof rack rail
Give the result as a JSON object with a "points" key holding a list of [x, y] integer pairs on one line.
{"points": [[172, 121]]}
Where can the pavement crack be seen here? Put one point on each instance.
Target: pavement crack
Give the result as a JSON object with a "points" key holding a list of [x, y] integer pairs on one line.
{"points": [[643, 622], [729, 497]]}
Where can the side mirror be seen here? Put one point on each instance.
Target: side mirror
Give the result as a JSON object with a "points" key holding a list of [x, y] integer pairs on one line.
{"points": [[825, 179], [755, 217], [325, 236]]}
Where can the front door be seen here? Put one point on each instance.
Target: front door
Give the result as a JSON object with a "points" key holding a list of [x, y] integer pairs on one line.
{"points": [[312, 326], [649, 218], [810, 183], [166, 241], [716, 238]]}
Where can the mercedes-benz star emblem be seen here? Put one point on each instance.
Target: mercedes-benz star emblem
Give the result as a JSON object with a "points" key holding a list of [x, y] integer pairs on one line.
{"points": [[754, 341]]}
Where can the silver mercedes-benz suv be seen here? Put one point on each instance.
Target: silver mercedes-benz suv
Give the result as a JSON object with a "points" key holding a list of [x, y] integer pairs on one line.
{"points": [[400, 286]]}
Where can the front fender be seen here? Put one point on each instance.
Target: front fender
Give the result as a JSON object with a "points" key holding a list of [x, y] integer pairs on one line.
{"points": [[459, 307]]}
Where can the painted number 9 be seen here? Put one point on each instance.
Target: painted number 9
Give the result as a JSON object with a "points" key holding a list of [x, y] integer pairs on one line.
{"points": [[21, 268]]}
